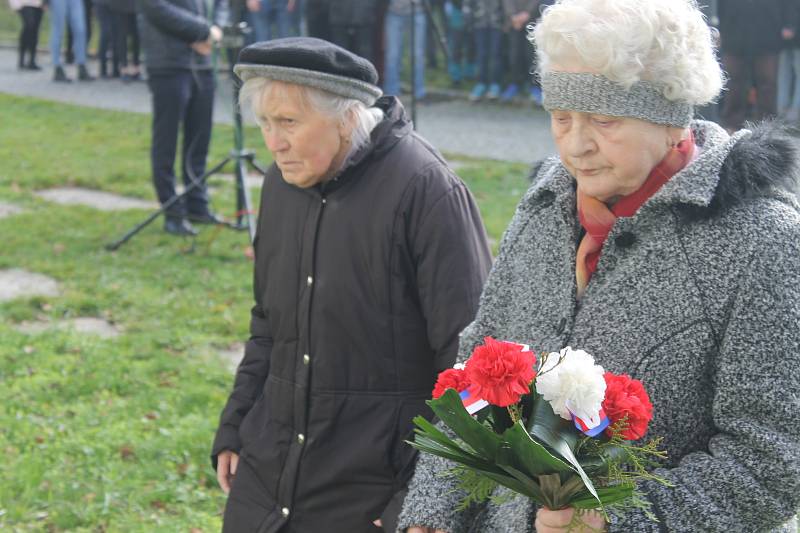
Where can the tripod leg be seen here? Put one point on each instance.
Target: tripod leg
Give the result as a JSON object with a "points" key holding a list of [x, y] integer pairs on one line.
{"points": [[169, 203], [244, 210]]}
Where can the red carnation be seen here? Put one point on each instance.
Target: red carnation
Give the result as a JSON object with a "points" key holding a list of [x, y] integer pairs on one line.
{"points": [[452, 378], [626, 397], [500, 372]]}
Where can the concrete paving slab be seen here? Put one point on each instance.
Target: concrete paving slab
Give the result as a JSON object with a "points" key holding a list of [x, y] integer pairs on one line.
{"points": [[253, 181], [232, 355], [18, 283], [83, 325], [104, 201], [8, 210]]}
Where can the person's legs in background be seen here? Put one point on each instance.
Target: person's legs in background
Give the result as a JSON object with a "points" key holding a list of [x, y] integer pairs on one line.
{"points": [[362, 42], [519, 63], [394, 32], [785, 80], [420, 30], [765, 68], [495, 63], [481, 36], [58, 20], [77, 21], [170, 96], [734, 107], [317, 19], [69, 54], [106, 41], [29, 37], [282, 19], [121, 42], [135, 47], [261, 23], [196, 139], [455, 41], [793, 113]]}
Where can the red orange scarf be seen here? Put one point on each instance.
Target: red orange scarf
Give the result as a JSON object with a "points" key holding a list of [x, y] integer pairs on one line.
{"points": [[597, 219]]}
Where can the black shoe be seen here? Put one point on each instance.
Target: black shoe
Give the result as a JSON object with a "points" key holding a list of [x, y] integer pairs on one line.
{"points": [[205, 218], [60, 76], [179, 226], [83, 74], [33, 66]]}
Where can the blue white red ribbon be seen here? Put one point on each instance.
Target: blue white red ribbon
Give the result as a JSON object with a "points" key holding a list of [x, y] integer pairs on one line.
{"points": [[594, 426]]}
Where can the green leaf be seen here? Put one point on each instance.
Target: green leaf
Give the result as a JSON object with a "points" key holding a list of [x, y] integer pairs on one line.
{"points": [[559, 435], [450, 410], [609, 496], [531, 457]]}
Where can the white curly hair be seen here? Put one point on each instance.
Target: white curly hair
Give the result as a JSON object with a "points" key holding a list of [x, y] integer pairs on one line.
{"points": [[666, 42]]}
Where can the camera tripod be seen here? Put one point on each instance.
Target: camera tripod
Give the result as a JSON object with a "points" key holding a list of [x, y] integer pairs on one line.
{"points": [[233, 40]]}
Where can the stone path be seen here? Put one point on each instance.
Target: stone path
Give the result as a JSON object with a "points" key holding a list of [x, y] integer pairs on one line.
{"points": [[232, 355], [82, 325], [104, 201], [510, 133], [17, 283], [7, 210]]}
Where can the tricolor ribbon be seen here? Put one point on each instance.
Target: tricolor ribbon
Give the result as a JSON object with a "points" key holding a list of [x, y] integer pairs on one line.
{"points": [[593, 426], [472, 403]]}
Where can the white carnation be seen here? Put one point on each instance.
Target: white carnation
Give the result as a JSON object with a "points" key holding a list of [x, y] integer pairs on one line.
{"points": [[573, 384]]}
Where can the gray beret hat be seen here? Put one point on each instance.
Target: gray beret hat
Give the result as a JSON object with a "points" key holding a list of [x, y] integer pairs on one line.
{"points": [[313, 63]]}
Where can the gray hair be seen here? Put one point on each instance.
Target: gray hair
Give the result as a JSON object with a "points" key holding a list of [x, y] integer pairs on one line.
{"points": [[664, 42], [364, 119]]}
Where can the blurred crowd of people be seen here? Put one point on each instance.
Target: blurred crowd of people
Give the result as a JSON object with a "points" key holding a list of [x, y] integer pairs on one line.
{"points": [[488, 51]]}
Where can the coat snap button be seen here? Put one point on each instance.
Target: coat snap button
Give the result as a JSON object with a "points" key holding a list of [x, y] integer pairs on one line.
{"points": [[285, 512], [625, 239], [546, 199], [306, 359], [301, 438], [309, 281]]}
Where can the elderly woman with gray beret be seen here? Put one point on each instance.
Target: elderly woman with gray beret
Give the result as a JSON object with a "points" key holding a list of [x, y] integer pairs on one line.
{"points": [[668, 249], [370, 256]]}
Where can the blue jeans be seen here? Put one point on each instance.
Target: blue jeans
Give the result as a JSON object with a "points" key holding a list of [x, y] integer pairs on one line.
{"points": [[487, 50], [272, 13], [789, 82], [62, 11], [395, 28]]}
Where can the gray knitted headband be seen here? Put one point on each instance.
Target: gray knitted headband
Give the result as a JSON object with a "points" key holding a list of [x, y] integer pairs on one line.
{"points": [[592, 93], [339, 85]]}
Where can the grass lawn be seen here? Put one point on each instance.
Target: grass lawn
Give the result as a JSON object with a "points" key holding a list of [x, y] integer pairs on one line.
{"points": [[113, 435]]}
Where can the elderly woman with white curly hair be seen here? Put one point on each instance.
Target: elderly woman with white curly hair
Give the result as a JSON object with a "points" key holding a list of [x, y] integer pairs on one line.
{"points": [[668, 249], [370, 256]]}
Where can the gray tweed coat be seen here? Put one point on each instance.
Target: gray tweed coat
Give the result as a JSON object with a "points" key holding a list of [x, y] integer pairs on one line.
{"points": [[697, 295]]}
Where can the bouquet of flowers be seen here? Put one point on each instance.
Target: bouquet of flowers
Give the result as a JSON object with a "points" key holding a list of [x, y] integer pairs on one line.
{"points": [[559, 431]]}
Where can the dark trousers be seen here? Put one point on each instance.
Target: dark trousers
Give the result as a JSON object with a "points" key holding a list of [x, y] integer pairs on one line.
{"points": [[357, 39], [763, 71], [107, 30], [488, 43], [181, 98], [126, 31], [317, 19], [520, 57], [29, 36]]}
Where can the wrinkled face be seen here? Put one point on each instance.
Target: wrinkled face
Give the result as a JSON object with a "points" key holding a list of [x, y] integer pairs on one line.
{"points": [[608, 156], [307, 146]]}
